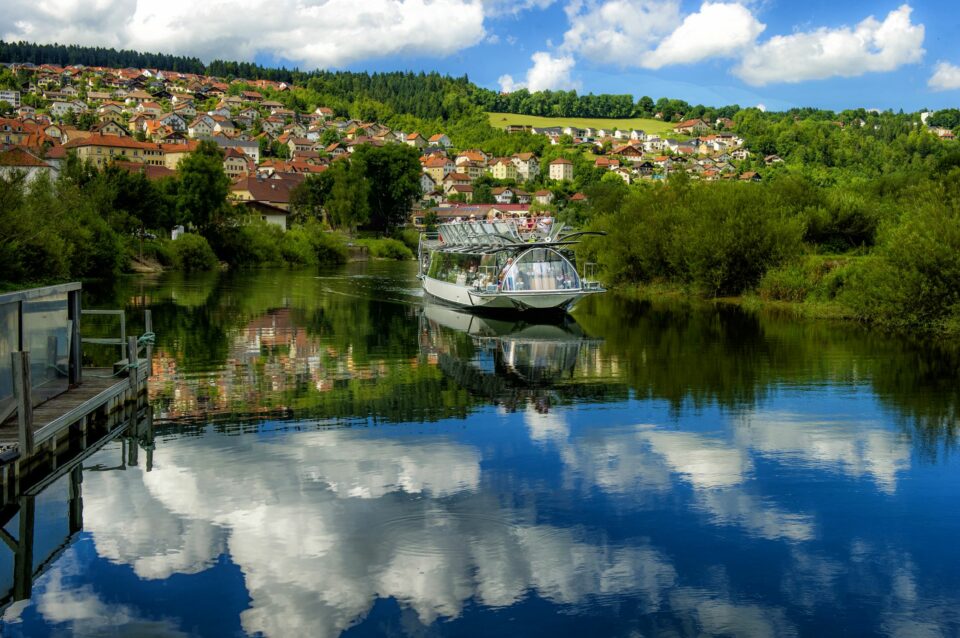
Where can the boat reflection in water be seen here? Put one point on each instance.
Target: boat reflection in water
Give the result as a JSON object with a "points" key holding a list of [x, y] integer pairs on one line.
{"points": [[512, 362]]}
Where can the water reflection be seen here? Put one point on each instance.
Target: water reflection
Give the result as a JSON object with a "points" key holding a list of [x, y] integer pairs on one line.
{"points": [[331, 554], [339, 458], [517, 363]]}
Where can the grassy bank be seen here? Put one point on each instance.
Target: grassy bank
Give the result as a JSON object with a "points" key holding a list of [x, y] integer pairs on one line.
{"points": [[657, 127], [751, 300]]}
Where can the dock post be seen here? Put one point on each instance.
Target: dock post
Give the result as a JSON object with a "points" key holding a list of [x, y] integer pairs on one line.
{"points": [[23, 559], [21, 389], [133, 363], [148, 322], [75, 494], [148, 446], [76, 346]]}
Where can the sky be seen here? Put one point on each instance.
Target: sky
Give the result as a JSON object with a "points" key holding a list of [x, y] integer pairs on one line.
{"points": [[774, 53]]}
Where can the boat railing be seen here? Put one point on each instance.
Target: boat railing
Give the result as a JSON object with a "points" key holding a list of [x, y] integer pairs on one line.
{"points": [[588, 279]]}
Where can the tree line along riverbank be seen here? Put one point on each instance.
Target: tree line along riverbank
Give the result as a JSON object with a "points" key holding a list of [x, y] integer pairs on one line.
{"points": [[884, 251]]}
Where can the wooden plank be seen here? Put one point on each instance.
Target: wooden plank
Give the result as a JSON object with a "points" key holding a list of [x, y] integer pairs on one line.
{"points": [[62, 411]]}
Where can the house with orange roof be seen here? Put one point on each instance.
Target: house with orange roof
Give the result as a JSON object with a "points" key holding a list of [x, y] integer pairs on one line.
{"points": [[101, 150], [438, 167], [415, 139], [691, 127], [13, 131], [543, 197], [18, 161], [503, 168], [110, 127], [472, 155], [440, 139], [235, 163], [464, 191]]}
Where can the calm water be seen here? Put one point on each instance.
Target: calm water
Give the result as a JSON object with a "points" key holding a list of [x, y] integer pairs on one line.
{"points": [[334, 457]]}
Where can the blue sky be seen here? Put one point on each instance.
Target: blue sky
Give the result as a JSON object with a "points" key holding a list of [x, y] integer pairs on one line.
{"points": [[771, 52]]}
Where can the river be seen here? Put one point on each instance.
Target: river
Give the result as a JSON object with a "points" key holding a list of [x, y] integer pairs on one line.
{"points": [[333, 456]]}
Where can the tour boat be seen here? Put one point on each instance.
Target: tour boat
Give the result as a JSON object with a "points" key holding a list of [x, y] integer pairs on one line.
{"points": [[498, 266]]}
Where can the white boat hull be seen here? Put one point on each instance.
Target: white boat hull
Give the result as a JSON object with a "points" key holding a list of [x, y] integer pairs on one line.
{"points": [[517, 301]]}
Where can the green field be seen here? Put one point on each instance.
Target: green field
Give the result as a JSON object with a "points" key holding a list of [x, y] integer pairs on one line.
{"points": [[502, 120]]}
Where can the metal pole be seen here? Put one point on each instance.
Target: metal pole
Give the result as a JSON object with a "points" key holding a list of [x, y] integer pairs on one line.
{"points": [[22, 389], [76, 345], [133, 365]]}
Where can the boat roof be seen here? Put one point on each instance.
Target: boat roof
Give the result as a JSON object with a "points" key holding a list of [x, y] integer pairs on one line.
{"points": [[496, 233], [494, 236]]}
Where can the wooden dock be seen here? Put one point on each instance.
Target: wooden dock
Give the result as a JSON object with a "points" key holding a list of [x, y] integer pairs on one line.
{"points": [[100, 385], [52, 408]]}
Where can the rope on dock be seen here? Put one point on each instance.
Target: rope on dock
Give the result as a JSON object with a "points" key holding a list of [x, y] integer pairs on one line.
{"points": [[146, 339]]}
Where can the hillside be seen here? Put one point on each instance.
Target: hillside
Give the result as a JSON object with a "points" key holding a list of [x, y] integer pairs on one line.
{"points": [[502, 120]]}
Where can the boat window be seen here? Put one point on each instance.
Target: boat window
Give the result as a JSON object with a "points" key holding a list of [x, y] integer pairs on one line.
{"points": [[540, 269], [463, 269]]}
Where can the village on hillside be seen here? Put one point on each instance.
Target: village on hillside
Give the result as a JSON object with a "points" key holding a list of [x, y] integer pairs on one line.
{"points": [[147, 120]]}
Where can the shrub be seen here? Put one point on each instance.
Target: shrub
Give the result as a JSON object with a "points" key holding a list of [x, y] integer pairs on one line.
{"points": [[255, 243], [387, 248], [911, 281], [296, 249], [410, 238], [192, 252], [786, 283], [160, 250], [719, 237], [820, 277], [329, 248]]}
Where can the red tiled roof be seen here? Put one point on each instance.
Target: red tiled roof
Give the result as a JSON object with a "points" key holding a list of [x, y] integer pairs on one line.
{"points": [[115, 141], [19, 158], [151, 172], [267, 190]]}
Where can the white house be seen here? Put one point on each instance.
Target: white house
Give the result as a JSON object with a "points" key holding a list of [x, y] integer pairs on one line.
{"points": [[561, 169], [16, 160], [427, 185]]}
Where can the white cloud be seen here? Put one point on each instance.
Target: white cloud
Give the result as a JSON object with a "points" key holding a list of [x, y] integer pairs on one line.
{"points": [[513, 7], [856, 449], [548, 72], [654, 33], [716, 30], [332, 33], [620, 32], [946, 77], [870, 46]]}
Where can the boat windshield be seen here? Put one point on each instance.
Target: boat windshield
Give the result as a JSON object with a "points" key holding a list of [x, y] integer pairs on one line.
{"points": [[540, 269]]}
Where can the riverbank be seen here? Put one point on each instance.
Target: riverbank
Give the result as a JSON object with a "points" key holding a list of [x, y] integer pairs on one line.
{"points": [[752, 301]]}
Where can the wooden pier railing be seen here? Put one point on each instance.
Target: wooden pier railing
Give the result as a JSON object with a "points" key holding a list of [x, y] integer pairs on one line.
{"points": [[42, 378]]}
